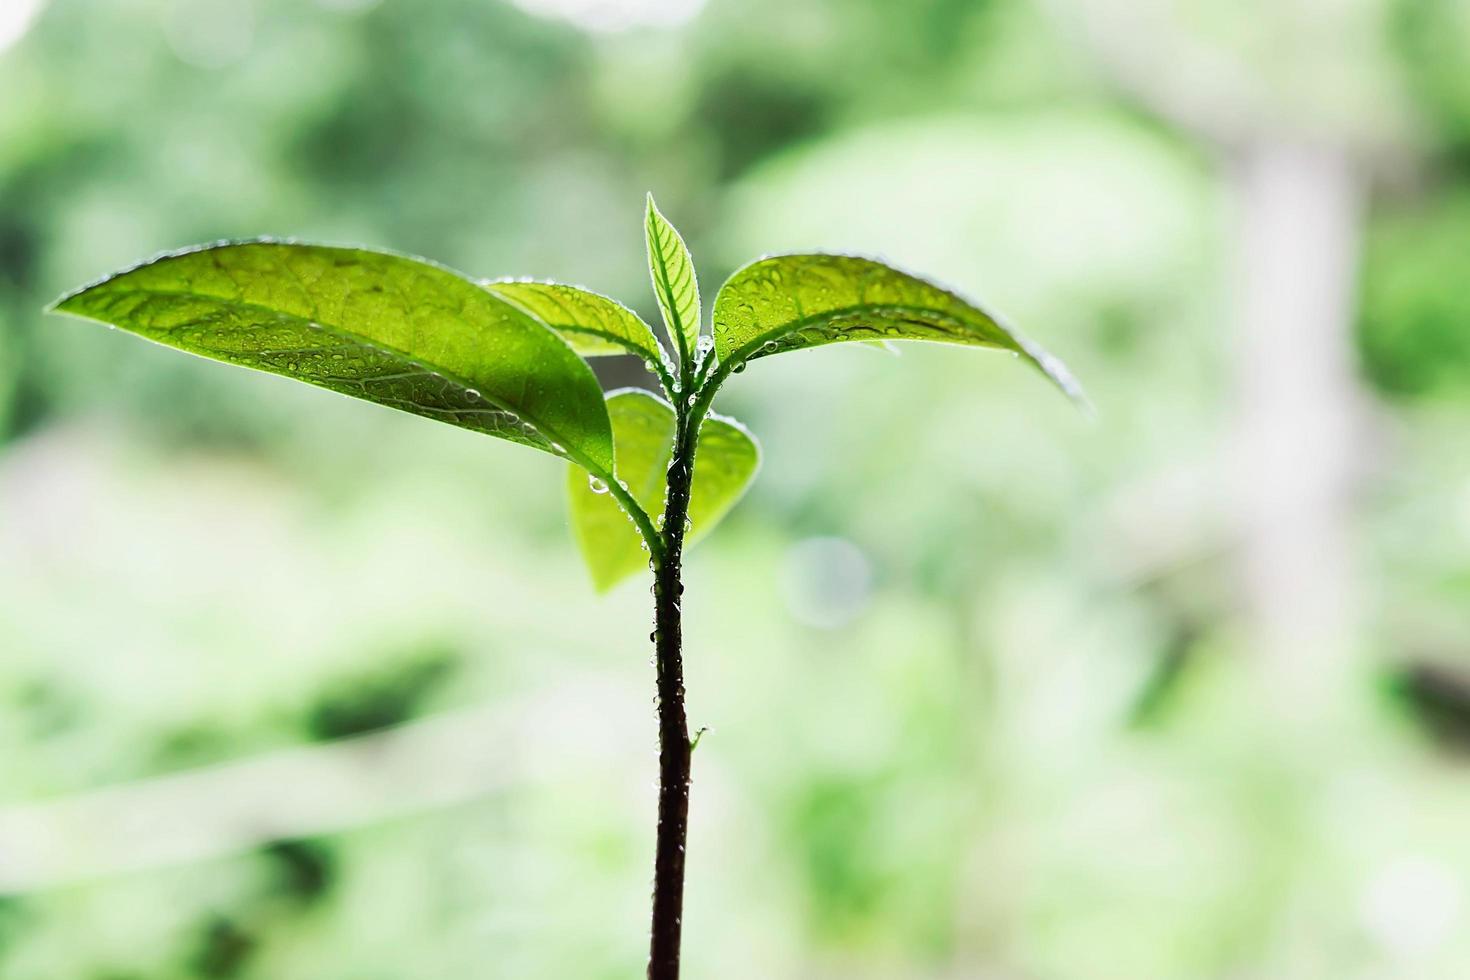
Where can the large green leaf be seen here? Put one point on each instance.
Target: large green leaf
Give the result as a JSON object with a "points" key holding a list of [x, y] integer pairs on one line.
{"points": [[387, 328], [643, 426], [674, 282], [788, 302], [592, 323]]}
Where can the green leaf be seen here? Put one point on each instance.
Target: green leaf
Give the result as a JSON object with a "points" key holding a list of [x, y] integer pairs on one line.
{"points": [[789, 302], [674, 282], [591, 323], [643, 427], [390, 329]]}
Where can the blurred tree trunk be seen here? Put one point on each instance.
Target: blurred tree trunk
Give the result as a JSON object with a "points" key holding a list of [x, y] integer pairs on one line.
{"points": [[1296, 252], [1295, 132]]}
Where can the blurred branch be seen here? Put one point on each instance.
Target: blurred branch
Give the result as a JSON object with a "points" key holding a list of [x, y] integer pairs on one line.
{"points": [[234, 807]]}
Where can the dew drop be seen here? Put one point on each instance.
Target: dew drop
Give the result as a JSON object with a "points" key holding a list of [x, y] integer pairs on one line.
{"points": [[739, 367], [471, 394], [770, 345], [556, 447], [596, 485], [706, 344]]}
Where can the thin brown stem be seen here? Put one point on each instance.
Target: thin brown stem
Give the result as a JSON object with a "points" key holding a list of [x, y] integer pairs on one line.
{"points": [[673, 726]]}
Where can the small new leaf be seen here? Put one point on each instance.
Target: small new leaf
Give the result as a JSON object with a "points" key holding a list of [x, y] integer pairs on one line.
{"points": [[593, 324], [390, 329], [789, 302], [643, 429], [674, 283]]}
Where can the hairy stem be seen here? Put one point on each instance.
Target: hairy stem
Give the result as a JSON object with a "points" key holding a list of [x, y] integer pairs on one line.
{"points": [[674, 749]]}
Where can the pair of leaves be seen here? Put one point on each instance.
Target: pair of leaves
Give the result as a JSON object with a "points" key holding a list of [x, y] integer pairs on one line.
{"points": [[790, 302], [387, 328], [498, 357], [643, 429], [502, 358], [395, 330]]}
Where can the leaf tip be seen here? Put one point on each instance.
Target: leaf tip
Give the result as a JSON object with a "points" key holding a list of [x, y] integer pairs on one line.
{"points": [[656, 215], [66, 303], [1060, 375]]}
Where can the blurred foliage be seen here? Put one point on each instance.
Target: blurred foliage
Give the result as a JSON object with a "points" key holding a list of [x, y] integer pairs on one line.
{"points": [[382, 699], [1415, 341], [1433, 37], [979, 706]]}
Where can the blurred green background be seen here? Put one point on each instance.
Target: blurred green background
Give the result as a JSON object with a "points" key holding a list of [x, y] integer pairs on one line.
{"points": [[296, 688]]}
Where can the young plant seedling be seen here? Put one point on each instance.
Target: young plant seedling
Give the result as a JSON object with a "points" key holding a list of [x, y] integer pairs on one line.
{"points": [[649, 475]]}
